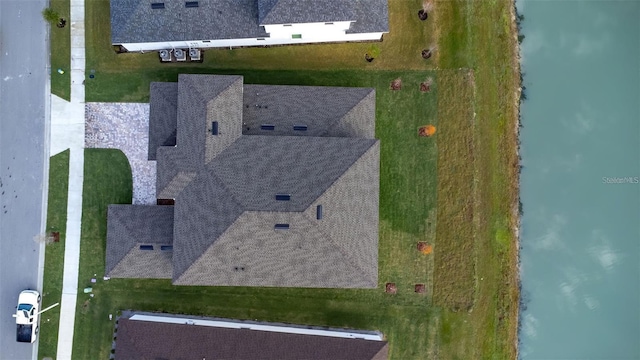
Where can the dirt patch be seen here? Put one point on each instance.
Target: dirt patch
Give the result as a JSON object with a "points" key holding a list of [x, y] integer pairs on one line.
{"points": [[425, 87], [396, 84], [426, 53], [422, 15], [390, 288], [420, 288]]}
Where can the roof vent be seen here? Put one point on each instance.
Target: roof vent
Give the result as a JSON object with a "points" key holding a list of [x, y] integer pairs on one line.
{"points": [[267, 127], [214, 128], [300, 127], [281, 227], [157, 5], [146, 247], [319, 212], [191, 4], [166, 247], [283, 197]]}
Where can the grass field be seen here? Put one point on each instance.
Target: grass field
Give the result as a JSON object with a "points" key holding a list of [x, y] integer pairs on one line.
{"points": [[457, 190], [481, 35], [54, 253], [454, 276], [60, 44]]}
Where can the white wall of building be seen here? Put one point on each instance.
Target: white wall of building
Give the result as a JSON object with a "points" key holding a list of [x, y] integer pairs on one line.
{"points": [[258, 327], [279, 35], [330, 30]]}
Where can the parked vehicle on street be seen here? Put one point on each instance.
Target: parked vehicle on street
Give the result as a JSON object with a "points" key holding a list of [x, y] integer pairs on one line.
{"points": [[27, 316]]}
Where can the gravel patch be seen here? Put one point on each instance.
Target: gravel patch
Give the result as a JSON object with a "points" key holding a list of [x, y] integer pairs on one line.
{"points": [[124, 126]]}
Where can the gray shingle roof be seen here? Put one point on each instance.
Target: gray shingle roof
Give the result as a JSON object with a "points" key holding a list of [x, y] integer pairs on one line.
{"points": [[372, 15], [296, 11], [322, 109], [163, 102], [130, 226], [225, 187], [156, 340], [203, 99], [303, 167], [205, 211], [134, 21], [338, 251], [173, 172]]}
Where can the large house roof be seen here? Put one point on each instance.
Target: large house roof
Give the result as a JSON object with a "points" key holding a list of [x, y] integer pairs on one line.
{"points": [[264, 207], [138, 339], [135, 21]]}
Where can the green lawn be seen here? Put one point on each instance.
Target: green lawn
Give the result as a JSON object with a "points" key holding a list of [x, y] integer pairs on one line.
{"points": [[54, 253], [61, 51], [474, 105]]}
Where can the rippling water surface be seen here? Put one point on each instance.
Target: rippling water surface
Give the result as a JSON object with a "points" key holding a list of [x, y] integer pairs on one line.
{"points": [[580, 258]]}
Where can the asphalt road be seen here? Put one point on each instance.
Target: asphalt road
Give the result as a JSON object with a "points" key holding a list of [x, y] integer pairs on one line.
{"points": [[23, 101]]}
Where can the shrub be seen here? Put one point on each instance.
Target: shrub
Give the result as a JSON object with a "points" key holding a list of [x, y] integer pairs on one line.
{"points": [[51, 16]]}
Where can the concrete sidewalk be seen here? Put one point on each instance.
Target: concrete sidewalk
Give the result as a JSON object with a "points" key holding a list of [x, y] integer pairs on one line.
{"points": [[67, 132]]}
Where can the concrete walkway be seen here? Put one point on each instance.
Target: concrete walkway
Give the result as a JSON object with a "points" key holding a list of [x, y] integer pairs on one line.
{"points": [[67, 132]]}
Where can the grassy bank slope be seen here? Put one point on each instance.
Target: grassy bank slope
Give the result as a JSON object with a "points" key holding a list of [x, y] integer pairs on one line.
{"points": [[481, 35]]}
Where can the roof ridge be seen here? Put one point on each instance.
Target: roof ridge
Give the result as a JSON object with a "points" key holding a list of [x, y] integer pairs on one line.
{"points": [[240, 205], [124, 225], [374, 141], [337, 121], [340, 249]]}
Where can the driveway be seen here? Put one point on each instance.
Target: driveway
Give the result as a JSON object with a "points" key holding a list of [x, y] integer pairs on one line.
{"points": [[125, 126]]}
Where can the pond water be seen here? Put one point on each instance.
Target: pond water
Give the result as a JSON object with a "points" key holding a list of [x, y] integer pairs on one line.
{"points": [[580, 191]]}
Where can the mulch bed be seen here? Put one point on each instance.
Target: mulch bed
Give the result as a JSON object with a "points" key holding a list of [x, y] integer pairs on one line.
{"points": [[425, 248], [421, 289], [422, 15], [396, 84], [426, 53], [390, 288], [425, 87], [424, 131]]}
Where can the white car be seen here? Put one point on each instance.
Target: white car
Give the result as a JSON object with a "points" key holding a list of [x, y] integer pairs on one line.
{"points": [[27, 315]]}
